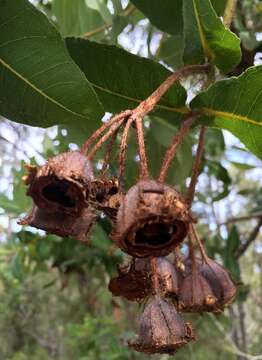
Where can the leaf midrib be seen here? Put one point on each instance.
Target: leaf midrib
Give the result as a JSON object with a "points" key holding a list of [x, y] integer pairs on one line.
{"points": [[225, 114], [42, 93], [181, 110]]}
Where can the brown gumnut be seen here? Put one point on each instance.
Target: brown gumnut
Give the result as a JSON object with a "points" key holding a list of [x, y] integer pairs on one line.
{"points": [[152, 220], [220, 281], [212, 285], [62, 183], [105, 196], [133, 283], [61, 223], [196, 295], [162, 329]]}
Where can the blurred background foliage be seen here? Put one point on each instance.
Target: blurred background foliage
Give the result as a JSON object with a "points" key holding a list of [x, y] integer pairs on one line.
{"points": [[54, 301]]}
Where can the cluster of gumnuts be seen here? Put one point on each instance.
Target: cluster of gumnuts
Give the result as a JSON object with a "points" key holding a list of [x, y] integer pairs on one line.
{"points": [[150, 221]]}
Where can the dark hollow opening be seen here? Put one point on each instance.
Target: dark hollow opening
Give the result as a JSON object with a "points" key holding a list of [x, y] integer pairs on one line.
{"points": [[57, 192], [156, 234]]}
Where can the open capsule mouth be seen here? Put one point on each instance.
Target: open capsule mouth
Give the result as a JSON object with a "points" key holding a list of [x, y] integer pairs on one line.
{"points": [[155, 234], [60, 192]]}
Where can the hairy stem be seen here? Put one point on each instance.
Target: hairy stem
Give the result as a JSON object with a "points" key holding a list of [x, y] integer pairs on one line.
{"points": [[196, 167], [171, 151], [114, 127], [148, 105], [102, 128], [123, 147], [144, 173]]}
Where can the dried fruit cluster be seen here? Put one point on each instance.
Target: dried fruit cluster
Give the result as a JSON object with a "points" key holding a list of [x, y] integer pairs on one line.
{"points": [[149, 221]]}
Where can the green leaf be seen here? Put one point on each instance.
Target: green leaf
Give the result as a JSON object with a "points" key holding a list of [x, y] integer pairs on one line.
{"points": [[236, 105], [171, 51], [232, 245], [242, 166], [219, 6], [206, 36], [167, 16], [217, 170], [40, 85], [75, 17], [122, 80]]}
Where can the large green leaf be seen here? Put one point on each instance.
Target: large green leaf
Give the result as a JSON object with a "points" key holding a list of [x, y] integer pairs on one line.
{"points": [[75, 17], [236, 105], [40, 85], [123, 80], [167, 16], [206, 36]]}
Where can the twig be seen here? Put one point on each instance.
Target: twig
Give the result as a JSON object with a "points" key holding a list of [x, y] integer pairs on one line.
{"points": [[171, 151], [108, 153], [196, 167], [123, 147], [105, 137], [242, 218], [252, 237], [194, 233], [229, 12], [141, 149], [148, 105], [102, 128]]}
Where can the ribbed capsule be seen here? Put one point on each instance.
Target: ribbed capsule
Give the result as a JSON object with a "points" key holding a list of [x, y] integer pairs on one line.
{"points": [[152, 220], [162, 329], [196, 295], [62, 183], [60, 223], [210, 289], [135, 283]]}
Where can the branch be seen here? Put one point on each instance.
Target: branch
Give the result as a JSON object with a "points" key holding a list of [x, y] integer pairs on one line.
{"points": [[171, 151], [252, 237], [242, 218], [196, 167]]}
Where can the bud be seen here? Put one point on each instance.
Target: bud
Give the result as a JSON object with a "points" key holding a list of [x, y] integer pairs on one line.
{"points": [[152, 220], [61, 223], [162, 329], [62, 183]]}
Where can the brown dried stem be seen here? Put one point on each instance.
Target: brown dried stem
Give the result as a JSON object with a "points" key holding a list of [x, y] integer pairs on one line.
{"points": [[193, 232], [102, 128], [171, 151], [148, 105], [108, 153], [196, 167], [144, 173], [114, 127], [123, 147]]}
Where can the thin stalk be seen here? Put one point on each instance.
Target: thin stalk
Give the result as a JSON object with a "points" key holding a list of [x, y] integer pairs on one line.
{"points": [[144, 173], [123, 147], [102, 128], [171, 151], [114, 127], [108, 153], [193, 231], [196, 167], [148, 105]]}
